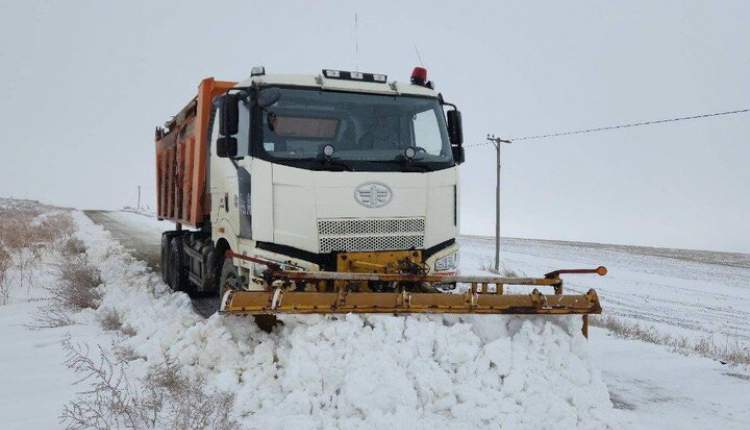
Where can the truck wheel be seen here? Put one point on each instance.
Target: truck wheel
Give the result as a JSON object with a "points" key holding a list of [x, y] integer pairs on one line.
{"points": [[229, 277], [176, 270], [164, 262], [229, 280]]}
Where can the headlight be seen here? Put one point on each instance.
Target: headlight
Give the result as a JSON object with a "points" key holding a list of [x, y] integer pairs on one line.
{"points": [[447, 263]]}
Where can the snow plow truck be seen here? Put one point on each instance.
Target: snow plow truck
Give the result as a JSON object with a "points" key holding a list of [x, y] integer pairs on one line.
{"points": [[323, 194]]}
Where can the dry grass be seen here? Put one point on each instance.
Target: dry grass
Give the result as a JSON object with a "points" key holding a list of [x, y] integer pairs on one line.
{"points": [[78, 284], [76, 289], [72, 247], [125, 353], [165, 398], [29, 225], [111, 319], [27, 229], [732, 353]]}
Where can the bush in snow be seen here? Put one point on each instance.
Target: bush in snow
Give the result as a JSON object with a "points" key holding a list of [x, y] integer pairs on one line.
{"points": [[111, 319], [165, 398], [27, 230], [76, 289], [78, 285], [73, 246]]}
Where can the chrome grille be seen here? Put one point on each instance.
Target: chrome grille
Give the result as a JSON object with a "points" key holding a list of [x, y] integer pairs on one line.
{"points": [[349, 234]]}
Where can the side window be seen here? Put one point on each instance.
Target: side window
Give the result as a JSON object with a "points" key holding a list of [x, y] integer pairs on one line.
{"points": [[427, 132]]}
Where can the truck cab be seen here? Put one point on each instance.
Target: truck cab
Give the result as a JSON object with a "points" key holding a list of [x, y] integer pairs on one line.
{"points": [[340, 172]]}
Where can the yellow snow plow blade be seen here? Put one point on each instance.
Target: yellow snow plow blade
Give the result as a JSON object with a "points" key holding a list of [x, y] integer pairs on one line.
{"points": [[485, 295]]}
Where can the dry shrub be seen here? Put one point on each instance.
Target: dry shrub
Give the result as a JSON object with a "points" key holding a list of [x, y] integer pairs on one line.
{"points": [[125, 353], [128, 330], [78, 284], [166, 398], [27, 229], [72, 247], [75, 290], [30, 225], [110, 320]]}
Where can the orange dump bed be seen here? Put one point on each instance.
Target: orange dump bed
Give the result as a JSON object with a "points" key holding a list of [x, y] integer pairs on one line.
{"points": [[182, 158]]}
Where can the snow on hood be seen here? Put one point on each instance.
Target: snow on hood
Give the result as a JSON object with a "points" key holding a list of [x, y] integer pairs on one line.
{"points": [[373, 371]]}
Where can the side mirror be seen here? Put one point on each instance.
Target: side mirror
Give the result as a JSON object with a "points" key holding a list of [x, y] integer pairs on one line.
{"points": [[226, 147], [458, 154], [229, 115], [455, 129], [268, 96]]}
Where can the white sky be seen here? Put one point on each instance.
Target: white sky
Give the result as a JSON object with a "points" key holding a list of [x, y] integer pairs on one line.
{"points": [[85, 82]]}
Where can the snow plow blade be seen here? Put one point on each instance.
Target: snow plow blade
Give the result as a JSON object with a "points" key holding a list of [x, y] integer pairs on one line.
{"points": [[484, 296]]}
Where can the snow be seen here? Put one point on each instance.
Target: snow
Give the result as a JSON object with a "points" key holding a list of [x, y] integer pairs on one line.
{"points": [[364, 371], [414, 372], [26, 366], [695, 294], [657, 388]]}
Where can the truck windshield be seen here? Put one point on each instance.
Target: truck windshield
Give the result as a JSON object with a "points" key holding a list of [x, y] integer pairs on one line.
{"points": [[364, 129]]}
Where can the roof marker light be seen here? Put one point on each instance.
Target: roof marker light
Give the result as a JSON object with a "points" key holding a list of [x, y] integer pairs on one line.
{"points": [[331, 73], [355, 76], [419, 76]]}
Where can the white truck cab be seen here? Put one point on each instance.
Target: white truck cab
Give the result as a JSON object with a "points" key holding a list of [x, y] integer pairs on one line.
{"points": [[343, 171]]}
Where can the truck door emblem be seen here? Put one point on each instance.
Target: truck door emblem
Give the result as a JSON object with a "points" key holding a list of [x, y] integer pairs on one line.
{"points": [[373, 195]]}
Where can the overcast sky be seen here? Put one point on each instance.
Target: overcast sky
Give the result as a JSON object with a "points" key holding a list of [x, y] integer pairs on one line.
{"points": [[85, 82]]}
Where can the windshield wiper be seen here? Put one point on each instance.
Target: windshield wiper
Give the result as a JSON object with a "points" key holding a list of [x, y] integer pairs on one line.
{"points": [[406, 165], [335, 165]]}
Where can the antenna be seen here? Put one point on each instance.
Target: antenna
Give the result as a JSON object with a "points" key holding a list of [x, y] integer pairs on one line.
{"points": [[356, 43], [419, 56]]}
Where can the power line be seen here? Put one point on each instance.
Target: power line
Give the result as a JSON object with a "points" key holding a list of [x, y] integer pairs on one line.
{"points": [[618, 126]]}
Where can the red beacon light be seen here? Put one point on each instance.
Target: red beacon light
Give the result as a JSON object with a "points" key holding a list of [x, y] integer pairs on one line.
{"points": [[419, 76]]}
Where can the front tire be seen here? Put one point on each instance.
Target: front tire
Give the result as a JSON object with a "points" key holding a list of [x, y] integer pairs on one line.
{"points": [[230, 280]]}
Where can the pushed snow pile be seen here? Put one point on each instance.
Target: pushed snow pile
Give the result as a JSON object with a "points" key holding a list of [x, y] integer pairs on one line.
{"points": [[316, 372], [415, 372]]}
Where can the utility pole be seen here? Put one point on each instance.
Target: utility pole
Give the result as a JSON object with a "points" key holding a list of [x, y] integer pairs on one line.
{"points": [[497, 142], [138, 208]]}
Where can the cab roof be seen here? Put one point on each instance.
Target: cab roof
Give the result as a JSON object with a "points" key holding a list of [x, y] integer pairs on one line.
{"points": [[320, 81]]}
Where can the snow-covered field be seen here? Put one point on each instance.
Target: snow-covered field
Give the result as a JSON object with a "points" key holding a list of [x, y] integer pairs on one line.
{"points": [[415, 372], [695, 294]]}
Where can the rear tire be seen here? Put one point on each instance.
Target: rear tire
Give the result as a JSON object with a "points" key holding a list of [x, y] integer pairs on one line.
{"points": [[175, 269], [166, 239]]}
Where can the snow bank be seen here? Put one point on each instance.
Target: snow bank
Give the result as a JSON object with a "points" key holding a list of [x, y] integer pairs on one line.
{"points": [[363, 371]]}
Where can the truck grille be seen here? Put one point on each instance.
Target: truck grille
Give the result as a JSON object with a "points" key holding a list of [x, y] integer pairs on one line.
{"points": [[370, 234]]}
